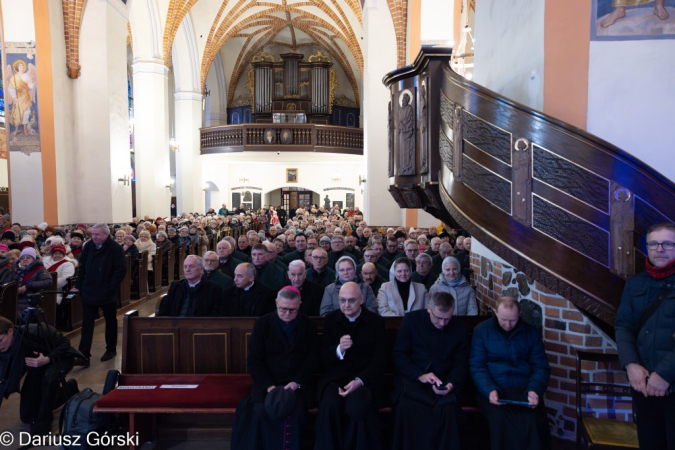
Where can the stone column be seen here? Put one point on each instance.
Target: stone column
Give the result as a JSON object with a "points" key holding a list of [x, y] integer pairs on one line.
{"points": [[151, 136], [189, 183]]}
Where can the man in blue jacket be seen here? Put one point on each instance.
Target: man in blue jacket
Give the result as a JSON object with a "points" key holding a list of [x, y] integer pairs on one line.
{"points": [[508, 363], [645, 337]]}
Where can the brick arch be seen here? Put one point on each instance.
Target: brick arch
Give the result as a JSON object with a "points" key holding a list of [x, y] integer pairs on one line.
{"points": [[177, 11], [72, 21], [399, 14]]}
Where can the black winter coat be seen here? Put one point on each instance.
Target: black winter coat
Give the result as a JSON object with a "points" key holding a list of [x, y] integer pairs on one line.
{"points": [[101, 272]]}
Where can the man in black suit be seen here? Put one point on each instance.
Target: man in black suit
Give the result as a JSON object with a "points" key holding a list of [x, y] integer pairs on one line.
{"points": [[354, 356], [425, 273], [234, 253], [192, 296], [212, 274], [370, 256], [311, 293], [267, 273], [370, 276], [282, 360], [247, 298], [300, 247], [350, 247], [226, 263], [444, 250], [392, 252], [431, 356]]}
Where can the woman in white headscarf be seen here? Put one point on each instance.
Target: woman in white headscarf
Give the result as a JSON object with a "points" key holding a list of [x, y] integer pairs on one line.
{"points": [[453, 282]]}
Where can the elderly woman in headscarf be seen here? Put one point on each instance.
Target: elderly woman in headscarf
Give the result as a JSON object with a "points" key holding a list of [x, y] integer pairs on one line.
{"points": [[453, 282], [401, 295], [144, 243], [345, 271], [31, 276]]}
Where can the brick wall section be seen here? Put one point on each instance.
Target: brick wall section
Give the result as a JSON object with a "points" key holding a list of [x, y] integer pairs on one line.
{"points": [[130, 39], [399, 14], [565, 330], [72, 19]]}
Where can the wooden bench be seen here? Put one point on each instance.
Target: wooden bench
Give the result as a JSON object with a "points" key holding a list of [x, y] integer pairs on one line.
{"points": [[174, 349]]}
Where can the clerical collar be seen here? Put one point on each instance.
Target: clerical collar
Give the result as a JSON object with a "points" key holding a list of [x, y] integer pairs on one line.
{"points": [[354, 319], [192, 285], [247, 288], [222, 261]]}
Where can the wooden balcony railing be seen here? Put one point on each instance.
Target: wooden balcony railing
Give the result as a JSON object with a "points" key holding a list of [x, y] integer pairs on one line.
{"points": [[270, 137], [568, 209]]}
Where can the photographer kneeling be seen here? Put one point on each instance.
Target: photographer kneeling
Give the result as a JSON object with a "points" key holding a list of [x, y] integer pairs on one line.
{"points": [[41, 392]]}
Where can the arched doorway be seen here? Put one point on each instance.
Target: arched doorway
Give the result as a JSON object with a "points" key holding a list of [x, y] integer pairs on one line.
{"points": [[292, 198]]}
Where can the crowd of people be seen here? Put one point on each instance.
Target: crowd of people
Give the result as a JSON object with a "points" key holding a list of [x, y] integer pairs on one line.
{"points": [[285, 268]]}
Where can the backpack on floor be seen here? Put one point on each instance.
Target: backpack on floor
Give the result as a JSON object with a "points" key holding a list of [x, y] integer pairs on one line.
{"points": [[78, 418]]}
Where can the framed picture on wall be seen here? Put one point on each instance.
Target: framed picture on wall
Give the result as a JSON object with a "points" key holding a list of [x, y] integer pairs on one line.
{"points": [[291, 175], [350, 200]]}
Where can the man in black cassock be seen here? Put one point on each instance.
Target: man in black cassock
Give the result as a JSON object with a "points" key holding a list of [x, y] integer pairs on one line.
{"points": [[352, 389], [282, 360], [248, 298], [431, 358]]}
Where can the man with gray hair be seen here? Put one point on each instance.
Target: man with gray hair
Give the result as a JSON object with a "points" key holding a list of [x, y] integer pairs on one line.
{"points": [[444, 250], [102, 268], [236, 254], [311, 293], [425, 273], [212, 274], [192, 296]]}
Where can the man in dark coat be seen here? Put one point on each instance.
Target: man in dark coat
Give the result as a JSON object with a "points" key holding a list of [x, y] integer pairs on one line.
{"points": [[281, 214], [311, 293], [100, 272], [267, 273], [300, 247], [444, 250], [645, 323], [248, 298], [337, 246], [41, 392], [235, 253], [319, 272], [212, 274], [431, 359], [226, 262], [508, 361], [192, 296], [371, 256], [425, 273], [354, 356], [392, 252], [434, 247], [350, 247], [283, 358], [371, 277]]}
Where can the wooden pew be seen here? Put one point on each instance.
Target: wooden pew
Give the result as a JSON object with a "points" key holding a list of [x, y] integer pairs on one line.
{"points": [[143, 274], [48, 303], [181, 260], [9, 296], [170, 267], [158, 266], [76, 303], [125, 287]]}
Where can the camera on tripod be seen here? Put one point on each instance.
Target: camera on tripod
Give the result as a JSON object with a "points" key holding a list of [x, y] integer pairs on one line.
{"points": [[34, 299]]}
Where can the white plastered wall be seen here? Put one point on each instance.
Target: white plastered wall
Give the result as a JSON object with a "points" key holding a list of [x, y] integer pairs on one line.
{"points": [[632, 105], [509, 50], [26, 177], [379, 59]]}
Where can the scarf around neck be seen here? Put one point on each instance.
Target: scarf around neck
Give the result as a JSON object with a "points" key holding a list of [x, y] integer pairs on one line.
{"points": [[659, 273]]}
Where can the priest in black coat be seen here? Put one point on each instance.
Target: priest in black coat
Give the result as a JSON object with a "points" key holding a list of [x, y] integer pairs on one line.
{"points": [[191, 296], [354, 356], [248, 298], [283, 358], [311, 293], [431, 356], [267, 273]]}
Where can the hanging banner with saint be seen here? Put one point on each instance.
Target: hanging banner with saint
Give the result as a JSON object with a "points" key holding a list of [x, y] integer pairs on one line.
{"points": [[21, 97]]}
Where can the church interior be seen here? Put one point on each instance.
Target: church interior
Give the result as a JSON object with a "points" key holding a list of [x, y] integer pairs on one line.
{"points": [[541, 129]]}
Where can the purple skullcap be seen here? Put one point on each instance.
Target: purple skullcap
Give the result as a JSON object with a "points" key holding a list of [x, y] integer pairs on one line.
{"points": [[291, 288]]}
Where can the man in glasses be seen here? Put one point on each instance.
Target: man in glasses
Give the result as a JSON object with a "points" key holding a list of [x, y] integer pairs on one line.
{"points": [[645, 337], [431, 359], [282, 360], [354, 356], [319, 272]]}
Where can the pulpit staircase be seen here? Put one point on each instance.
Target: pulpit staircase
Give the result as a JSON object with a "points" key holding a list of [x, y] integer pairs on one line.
{"points": [[568, 209]]}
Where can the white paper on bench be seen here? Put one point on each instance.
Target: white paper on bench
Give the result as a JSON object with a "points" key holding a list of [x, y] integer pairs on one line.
{"points": [[179, 386], [136, 387]]}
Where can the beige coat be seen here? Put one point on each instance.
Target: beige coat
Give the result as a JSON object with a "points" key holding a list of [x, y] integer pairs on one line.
{"points": [[390, 303]]}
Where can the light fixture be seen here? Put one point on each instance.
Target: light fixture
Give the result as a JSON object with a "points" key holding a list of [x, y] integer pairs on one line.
{"points": [[244, 179], [362, 180], [170, 185], [125, 180], [205, 188], [173, 145]]}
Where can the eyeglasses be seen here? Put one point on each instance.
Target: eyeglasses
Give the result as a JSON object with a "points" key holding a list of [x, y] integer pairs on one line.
{"points": [[667, 245], [287, 310], [319, 257], [439, 319], [351, 301]]}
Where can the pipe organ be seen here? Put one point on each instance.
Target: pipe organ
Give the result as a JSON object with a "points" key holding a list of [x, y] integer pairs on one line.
{"points": [[292, 85]]}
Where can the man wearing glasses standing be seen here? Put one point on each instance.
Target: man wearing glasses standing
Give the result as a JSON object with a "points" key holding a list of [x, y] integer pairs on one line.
{"points": [[354, 356], [645, 337], [282, 360]]}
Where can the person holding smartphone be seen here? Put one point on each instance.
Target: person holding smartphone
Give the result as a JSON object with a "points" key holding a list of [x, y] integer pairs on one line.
{"points": [[508, 365], [431, 358]]}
